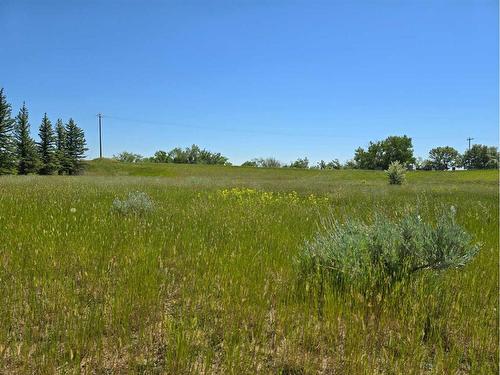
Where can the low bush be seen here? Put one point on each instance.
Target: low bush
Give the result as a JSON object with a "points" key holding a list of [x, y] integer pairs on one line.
{"points": [[396, 173], [137, 202], [374, 256]]}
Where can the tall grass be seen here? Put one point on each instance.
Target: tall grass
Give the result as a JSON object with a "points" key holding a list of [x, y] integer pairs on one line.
{"points": [[207, 282]]}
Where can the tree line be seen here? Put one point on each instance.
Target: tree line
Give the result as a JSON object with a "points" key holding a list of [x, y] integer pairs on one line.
{"points": [[380, 154], [377, 156], [189, 155], [60, 149]]}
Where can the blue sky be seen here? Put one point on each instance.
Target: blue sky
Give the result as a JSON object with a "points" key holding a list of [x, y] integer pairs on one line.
{"points": [[256, 78]]}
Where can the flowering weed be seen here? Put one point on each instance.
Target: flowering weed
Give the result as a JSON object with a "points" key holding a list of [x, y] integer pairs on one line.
{"points": [[247, 195]]}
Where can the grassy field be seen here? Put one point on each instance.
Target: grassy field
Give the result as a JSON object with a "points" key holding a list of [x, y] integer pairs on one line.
{"points": [[208, 281]]}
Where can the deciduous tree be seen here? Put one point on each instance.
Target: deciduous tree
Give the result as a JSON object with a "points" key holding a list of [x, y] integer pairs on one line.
{"points": [[128, 157], [481, 157], [300, 163], [442, 158], [381, 154]]}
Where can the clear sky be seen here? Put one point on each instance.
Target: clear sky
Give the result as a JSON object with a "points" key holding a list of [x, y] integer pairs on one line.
{"points": [[256, 78]]}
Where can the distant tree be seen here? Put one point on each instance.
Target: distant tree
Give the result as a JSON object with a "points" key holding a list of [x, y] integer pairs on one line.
{"points": [[362, 159], [190, 155], [423, 164], [75, 148], [161, 157], [193, 154], [442, 158], [268, 162], [128, 157], [61, 152], [250, 163], [300, 163], [350, 164], [47, 147], [7, 142], [334, 164], [178, 155], [481, 157], [381, 154], [494, 158], [370, 159], [207, 157], [397, 149], [27, 156]]}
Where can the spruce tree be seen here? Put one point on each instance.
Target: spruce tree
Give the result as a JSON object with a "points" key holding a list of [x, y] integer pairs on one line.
{"points": [[7, 144], [26, 148], [61, 147], [46, 147], [75, 147]]}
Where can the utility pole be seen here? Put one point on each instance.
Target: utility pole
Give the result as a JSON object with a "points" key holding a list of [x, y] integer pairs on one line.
{"points": [[469, 139], [99, 115]]}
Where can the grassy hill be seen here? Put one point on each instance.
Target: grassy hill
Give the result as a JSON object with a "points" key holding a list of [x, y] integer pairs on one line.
{"points": [[280, 176]]}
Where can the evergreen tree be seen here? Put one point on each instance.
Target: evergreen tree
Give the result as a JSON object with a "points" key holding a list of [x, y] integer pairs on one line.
{"points": [[61, 162], [75, 148], [7, 144], [46, 147], [26, 148]]}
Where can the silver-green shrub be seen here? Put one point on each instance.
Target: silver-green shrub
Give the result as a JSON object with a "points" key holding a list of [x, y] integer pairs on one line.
{"points": [[137, 202], [373, 256], [396, 173]]}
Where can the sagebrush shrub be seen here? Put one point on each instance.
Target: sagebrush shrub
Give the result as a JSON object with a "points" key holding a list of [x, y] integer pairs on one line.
{"points": [[137, 202], [373, 256], [396, 173]]}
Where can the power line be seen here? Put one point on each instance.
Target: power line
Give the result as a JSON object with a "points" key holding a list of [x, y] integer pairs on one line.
{"points": [[320, 135], [220, 129]]}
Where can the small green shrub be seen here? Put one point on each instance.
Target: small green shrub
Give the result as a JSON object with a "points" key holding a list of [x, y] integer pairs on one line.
{"points": [[137, 202], [373, 256], [396, 173]]}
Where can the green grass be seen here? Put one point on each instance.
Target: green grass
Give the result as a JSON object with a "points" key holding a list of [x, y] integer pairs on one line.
{"points": [[208, 282]]}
